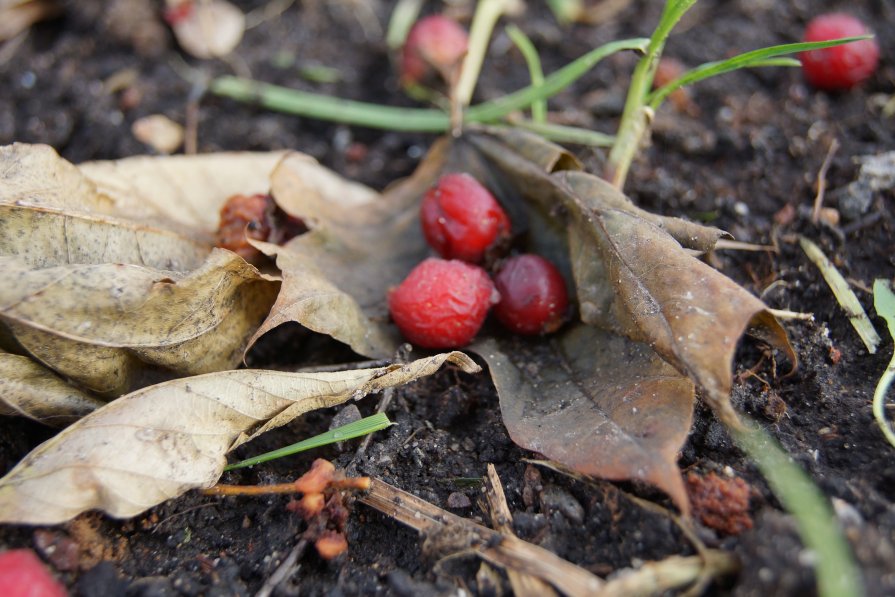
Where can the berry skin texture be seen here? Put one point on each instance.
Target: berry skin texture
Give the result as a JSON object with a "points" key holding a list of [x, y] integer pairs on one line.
{"points": [[441, 303], [533, 297], [839, 67], [435, 45], [22, 574], [461, 219]]}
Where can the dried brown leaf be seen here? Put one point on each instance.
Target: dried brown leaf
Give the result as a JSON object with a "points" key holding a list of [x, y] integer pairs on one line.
{"points": [[596, 402], [161, 441]]}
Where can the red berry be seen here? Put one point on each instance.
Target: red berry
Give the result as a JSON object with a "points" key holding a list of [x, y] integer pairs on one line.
{"points": [[442, 304], [839, 67], [533, 298], [461, 219], [23, 575], [435, 44]]}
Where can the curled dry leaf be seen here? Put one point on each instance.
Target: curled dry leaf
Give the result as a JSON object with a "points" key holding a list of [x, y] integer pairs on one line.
{"points": [[109, 301], [207, 28], [163, 440], [632, 274], [100, 324], [30, 390], [596, 402]]}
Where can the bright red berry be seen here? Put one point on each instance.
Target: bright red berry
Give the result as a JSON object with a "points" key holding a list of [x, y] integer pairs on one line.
{"points": [[435, 44], [442, 304], [23, 575], [462, 219], [839, 67], [533, 298]]}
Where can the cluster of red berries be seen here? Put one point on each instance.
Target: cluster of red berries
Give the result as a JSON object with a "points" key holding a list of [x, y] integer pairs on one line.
{"points": [[444, 301]]}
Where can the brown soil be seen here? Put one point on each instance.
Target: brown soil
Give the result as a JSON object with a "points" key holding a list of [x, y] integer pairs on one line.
{"points": [[748, 145]]}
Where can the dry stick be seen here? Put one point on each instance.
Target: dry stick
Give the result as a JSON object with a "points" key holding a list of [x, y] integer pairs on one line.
{"points": [[524, 584], [822, 181], [735, 245], [786, 314], [507, 552]]}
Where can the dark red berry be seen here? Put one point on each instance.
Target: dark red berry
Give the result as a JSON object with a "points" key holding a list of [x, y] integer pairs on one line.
{"points": [[533, 298], [435, 44], [462, 219], [22, 574], [839, 67], [442, 304]]}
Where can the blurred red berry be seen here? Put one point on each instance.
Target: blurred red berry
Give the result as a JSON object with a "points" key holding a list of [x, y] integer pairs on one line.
{"points": [[442, 304], [462, 219], [533, 297], [22, 574], [256, 217], [435, 45], [839, 67]]}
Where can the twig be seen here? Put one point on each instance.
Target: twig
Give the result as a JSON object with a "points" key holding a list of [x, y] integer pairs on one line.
{"points": [[284, 570], [345, 366], [493, 547], [844, 295], [524, 585], [822, 181]]}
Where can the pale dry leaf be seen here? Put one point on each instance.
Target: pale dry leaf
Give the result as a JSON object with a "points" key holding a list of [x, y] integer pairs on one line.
{"points": [[186, 190], [29, 390], [211, 28], [51, 214], [163, 440], [98, 323]]}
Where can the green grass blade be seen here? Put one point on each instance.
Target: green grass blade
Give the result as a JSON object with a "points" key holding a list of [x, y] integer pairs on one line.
{"points": [[884, 303], [404, 15], [751, 59], [553, 84], [359, 428], [837, 574], [530, 53]]}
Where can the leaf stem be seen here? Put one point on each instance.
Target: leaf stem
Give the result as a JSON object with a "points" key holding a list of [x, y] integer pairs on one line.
{"points": [[486, 14], [324, 107], [637, 115]]}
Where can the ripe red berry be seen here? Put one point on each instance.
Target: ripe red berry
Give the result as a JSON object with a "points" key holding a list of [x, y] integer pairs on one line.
{"points": [[533, 298], [435, 44], [23, 575], [839, 67], [462, 219], [442, 304]]}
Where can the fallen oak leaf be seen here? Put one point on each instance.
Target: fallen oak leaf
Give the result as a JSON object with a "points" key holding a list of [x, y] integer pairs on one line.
{"points": [[161, 441]]}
